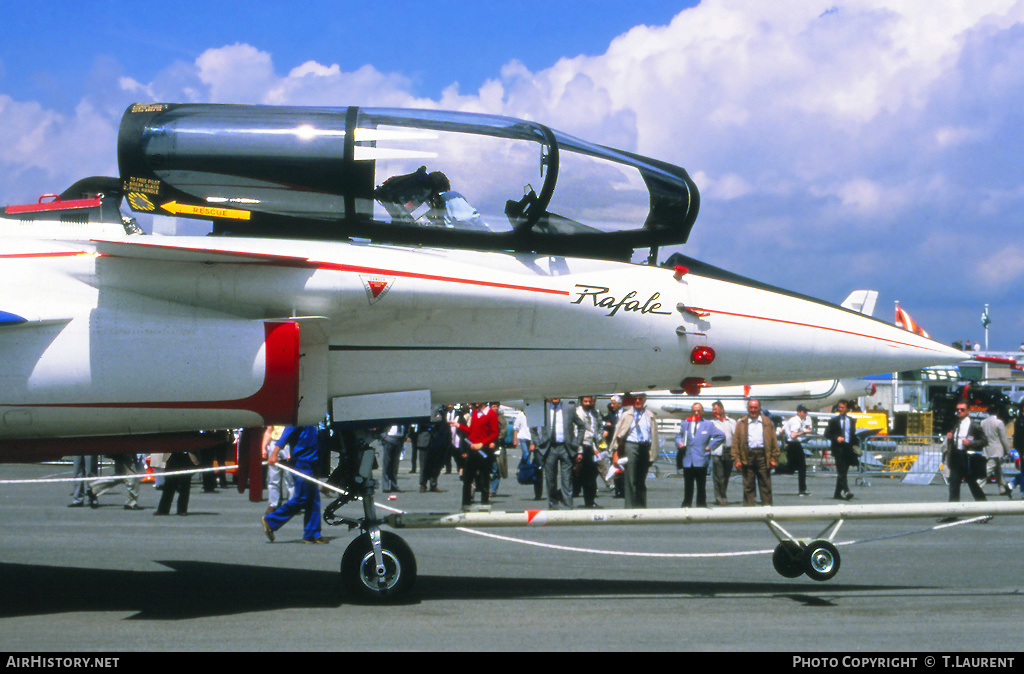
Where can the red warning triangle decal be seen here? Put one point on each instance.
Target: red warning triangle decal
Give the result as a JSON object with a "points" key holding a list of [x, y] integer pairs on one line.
{"points": [[377, 286]]}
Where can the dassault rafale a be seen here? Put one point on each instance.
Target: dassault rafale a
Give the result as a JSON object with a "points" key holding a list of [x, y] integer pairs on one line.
{"points": [[376, 263]]}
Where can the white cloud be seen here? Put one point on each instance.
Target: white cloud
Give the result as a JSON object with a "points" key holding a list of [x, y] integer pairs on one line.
{"points": [[725, 188], [1000, 267], [236, 73], [314, 68], [25, 130], [951, 136], [867, 197], [315, 84], [42, 143]]}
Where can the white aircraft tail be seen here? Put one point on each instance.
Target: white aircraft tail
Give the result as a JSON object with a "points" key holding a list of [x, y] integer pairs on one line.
{"points": [[861, 301]]}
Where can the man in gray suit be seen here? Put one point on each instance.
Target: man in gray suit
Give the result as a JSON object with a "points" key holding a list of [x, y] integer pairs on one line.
{"points": [[557, 442], [998, 446]]}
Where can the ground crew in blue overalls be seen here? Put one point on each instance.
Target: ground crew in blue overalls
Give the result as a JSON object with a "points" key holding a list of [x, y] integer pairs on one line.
{"points": [[305, 459]]}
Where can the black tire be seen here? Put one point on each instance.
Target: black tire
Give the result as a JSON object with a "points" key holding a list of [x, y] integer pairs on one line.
{"points": [[821, 560], [359, 575], [788, 560]]}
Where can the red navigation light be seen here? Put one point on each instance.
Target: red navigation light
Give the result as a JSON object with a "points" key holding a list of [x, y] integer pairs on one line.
{"points": [[681, 271], [702, 355]]}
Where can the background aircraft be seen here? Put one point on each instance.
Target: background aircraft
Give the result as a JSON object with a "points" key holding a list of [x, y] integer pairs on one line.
{"points": [[816, 395]]}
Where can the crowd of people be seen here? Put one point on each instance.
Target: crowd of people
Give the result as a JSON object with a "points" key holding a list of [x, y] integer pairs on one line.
{"points": [[578, 446], [172, 475], [563, 458], [576, 450]]}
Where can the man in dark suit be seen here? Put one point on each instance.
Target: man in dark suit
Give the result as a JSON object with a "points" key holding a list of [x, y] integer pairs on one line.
{"points": [[557, 442], [965, 442], [841, 432]]}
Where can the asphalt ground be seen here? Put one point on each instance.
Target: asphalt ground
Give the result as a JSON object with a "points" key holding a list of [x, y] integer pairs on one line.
{"points": [[108, 580]]}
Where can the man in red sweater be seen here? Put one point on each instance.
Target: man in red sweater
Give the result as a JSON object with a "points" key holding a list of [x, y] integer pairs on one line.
{"points": [[476, 460]]}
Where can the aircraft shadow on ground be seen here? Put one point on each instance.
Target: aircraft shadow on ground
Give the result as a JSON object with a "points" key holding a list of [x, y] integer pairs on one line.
{"points": [[431, 588], [186, 590], [190, 589]]}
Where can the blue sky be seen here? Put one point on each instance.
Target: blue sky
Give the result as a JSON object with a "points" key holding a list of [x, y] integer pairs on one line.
{"points": [[433, 44], [837, 144]]}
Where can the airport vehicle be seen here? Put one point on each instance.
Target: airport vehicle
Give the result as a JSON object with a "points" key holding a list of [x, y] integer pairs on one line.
{"points": [[346, 275], [980, 399]]}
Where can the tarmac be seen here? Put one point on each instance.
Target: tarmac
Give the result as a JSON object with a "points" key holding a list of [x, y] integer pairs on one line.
{"points": [[109, 580]]}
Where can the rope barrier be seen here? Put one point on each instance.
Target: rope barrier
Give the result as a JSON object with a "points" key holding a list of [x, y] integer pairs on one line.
{"points": [[190, 471], [510, 539], [126, 476], [618, 553], [702, 555]]}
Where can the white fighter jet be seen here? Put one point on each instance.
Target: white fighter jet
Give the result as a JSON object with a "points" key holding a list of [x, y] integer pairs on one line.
{"points": [[345, 273]]}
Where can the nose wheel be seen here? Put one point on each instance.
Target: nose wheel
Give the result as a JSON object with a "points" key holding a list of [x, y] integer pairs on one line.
{"points": [[366, 580]]}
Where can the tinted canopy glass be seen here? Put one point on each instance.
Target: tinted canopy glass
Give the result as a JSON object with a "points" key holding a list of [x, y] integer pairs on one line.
{"points": [[421, 176]]}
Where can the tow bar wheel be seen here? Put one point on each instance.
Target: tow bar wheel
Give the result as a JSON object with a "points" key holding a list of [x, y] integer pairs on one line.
{"points": [[788, 560], [359, 569], [821, 560]]}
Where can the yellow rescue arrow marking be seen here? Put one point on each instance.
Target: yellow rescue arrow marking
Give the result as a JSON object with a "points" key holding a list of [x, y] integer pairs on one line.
{"points": [[205, 211]]}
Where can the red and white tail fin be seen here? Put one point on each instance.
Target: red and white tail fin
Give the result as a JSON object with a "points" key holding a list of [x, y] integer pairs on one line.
{"points": [[904, 321]]}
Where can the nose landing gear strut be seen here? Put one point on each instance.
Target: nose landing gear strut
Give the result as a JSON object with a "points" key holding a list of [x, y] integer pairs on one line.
{"points": [[378, 566]]}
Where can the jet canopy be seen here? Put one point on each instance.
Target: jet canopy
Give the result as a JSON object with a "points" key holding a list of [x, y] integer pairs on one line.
{"points": [[401, 176]]}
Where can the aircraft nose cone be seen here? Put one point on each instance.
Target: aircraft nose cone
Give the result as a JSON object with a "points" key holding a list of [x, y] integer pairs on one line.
{"points": [[773, 336], [884, 347], [835, 343], [927, 352]]}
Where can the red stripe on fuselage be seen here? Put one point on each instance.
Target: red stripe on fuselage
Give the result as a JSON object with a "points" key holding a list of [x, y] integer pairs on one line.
{"points": [[330, 266], [305, 263], [891, 342]]}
